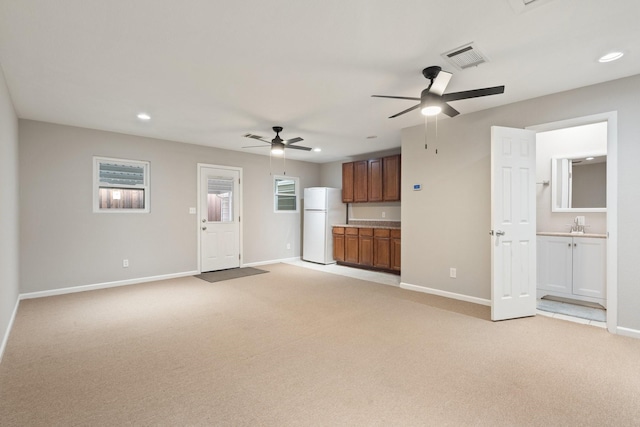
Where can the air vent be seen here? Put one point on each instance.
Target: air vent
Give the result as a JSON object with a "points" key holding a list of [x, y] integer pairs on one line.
{"points": [[465, 56]]}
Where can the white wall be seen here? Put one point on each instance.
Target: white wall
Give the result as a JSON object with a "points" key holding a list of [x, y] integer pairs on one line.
{"points": [[9, 239], [447, 223], [65, 244], [566, 143], [331, 176]]}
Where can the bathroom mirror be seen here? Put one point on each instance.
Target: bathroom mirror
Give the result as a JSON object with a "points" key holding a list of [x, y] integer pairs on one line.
{"points": [[579, 183]]}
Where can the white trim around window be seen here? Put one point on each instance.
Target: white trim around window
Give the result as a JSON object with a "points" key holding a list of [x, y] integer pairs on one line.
{"points": [[120, 185], [286, 194]]}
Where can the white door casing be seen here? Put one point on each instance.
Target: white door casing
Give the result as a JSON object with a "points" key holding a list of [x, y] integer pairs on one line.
{"points": [[513, 222], [219, 202]]}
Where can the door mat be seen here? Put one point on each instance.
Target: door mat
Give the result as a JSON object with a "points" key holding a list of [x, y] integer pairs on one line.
{"points": [[574, 310], [232, 273]]}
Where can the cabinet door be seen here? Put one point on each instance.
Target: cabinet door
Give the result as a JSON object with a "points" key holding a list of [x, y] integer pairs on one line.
{"points": [[338, 244], [375, 180], [554, 268], [351, 246], [347, 182], [381, 249], [589, 267], [395, 250], [365, 247], [360, 187], [391, 178]]}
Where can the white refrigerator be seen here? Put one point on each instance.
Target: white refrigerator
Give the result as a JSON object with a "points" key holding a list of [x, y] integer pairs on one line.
{"points": [[323, 208]]}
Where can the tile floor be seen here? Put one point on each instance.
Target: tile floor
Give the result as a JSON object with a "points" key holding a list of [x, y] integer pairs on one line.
{"points": [[394, 280]]}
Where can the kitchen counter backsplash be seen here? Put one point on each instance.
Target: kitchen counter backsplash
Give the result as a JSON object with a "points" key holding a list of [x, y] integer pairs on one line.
{"points": [[368, 223]]}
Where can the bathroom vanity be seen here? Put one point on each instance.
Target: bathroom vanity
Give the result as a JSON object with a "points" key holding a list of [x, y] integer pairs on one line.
{"points": [[572, 266]]}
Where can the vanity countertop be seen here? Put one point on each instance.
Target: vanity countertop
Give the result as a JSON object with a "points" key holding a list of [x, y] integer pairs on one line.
{"points": [[565, 234]]}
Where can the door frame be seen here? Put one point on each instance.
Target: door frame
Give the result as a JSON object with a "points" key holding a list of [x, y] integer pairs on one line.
{"points": [[199, 168], [611, 118]]}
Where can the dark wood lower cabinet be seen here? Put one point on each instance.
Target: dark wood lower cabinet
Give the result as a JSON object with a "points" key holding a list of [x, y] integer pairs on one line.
{"points": [[370, 248], [365, 246], [351, 245], [381, 249], [338, 243], [395, 250]]}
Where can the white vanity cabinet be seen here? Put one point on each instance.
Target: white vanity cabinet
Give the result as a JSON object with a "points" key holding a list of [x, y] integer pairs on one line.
{"points": [[572, 267]]}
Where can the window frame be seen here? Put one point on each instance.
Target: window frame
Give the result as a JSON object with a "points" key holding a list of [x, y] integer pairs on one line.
{"points": [[276, 195], [146, 187]]}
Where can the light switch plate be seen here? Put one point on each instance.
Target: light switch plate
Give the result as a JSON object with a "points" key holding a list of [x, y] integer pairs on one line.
{"points": [[192, 211]]}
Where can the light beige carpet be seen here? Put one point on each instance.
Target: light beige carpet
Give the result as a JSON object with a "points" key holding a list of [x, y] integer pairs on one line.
{"points": [[299, 347]]}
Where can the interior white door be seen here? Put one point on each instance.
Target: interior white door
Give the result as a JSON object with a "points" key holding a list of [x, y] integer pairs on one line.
{"points": [[219, 217], [513, 222]]}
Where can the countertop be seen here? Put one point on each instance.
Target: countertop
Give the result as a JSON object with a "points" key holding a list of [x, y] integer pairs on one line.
{"points": [[564, 234], [387, 227]]}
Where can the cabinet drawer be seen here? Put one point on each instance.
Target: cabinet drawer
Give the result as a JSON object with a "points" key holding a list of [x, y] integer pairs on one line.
{"points": [[395, 234], [366, 232], [381, 232], [351, 230], [338, 230]]}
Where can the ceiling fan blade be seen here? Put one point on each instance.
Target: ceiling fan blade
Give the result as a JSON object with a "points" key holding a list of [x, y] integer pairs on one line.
{"points": [[255, 146], [395, 97], [258, 137], [449, 110], [292, 140], [440, 83], [298, 147], [405, 111], [496, 90]]}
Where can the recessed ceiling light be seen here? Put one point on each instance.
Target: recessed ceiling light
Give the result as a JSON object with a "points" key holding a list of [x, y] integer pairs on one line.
{"points": [[611, 57], [144, 116], [317, 149]]}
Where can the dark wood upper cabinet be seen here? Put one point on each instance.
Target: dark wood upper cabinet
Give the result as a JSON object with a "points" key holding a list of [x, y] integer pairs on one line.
{"points": [[347, 182], [391, 178], [360, 182], [375, 180]]}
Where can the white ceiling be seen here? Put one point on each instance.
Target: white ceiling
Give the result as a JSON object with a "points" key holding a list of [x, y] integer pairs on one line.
{"points": [[209, 71]]}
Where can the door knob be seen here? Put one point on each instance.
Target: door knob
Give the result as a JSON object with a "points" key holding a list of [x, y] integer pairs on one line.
{"points": [[204, 220], [204, 228]]}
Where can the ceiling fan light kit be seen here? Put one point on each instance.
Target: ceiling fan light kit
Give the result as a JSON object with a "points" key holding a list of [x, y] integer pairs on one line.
{"points": [[433, 100], [277, 144]]}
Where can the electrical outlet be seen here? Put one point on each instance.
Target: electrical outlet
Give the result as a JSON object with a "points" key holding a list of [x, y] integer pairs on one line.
{"points": [[384, 214], [288, 245], [452, 273], [125, 263]]}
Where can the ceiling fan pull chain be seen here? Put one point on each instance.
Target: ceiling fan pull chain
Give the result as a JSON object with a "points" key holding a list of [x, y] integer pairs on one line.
{"points": [[425, 132], [437, 133]]}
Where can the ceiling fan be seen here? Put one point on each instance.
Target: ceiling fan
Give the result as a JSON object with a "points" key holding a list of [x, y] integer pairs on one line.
{"points": [[433, 100], [277, 144]]}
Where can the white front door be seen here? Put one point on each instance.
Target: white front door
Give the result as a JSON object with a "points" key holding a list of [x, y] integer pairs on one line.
{"points": [[513, 223], [219, 218]]}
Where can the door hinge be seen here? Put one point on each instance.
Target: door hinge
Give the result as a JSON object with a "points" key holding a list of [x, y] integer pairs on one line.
{"points": [[238, 218], [238, 256], [238, 180]]}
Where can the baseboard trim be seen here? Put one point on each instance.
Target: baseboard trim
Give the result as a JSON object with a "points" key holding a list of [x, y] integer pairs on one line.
{"points": [[5, 339], [628, 332], [445, 294], [273, 261], [105, 285]]}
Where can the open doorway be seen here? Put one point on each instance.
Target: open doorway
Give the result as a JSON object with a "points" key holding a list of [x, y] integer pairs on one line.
{"points": [[576, 203]]}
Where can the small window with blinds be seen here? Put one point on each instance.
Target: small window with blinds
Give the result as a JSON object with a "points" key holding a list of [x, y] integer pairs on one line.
{"points": [[120, 185], [286, 197]]}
